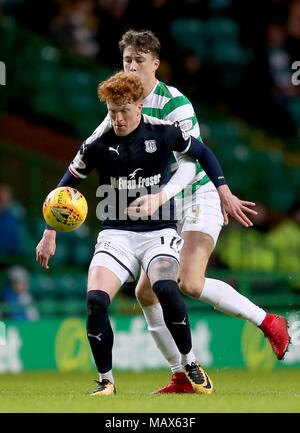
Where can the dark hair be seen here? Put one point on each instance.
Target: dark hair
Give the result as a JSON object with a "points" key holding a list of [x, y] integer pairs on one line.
{"points": [[143, 41]]}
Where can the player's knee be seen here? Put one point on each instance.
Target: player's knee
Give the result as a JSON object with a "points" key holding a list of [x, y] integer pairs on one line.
{"points": [[191, 287], [170, 298], [146, 299], [141, 292], [97, 302], [165, 289], [145, 295]]}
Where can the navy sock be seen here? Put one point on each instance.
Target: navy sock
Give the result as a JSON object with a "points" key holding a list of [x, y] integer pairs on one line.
{"points": [[99, 330], [175, 313]]}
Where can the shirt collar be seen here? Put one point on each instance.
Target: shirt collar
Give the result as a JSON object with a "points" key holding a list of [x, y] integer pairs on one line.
{"points": [[145, 100]]}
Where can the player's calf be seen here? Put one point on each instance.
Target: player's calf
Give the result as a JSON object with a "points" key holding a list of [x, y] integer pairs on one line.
{"points": [[175, 313], [99, 330]]}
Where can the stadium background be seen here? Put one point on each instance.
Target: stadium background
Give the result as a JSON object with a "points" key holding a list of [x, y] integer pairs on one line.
{"points": [[233, 59]]}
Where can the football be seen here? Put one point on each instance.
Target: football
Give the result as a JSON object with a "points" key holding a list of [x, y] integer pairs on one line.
{"points": [[65, 209]]}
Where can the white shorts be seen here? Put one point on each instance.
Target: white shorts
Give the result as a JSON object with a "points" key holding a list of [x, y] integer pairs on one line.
{"points": [[201, 212], [123, 251]]}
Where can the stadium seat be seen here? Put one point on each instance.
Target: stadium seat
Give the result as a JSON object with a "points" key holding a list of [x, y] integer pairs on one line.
{"points": [[49, 309], [68, 287], [48, 102], [49, 67], [31, 65], [294, 108], [62, 254], [82, 284], [42, 287], [189, 33], [184, 29], [85, 101], [73, 308], [223, 130], [235, 157], [220, 29], [233, 152], [82, 247], [219, 5], [224, 52], [10, 34], [27, 239], [281, 198], [267, 166], [82, 253], [38, 227]]}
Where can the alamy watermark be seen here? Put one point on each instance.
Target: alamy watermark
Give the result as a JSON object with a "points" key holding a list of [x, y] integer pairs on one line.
{"points": [[118, 196], [296, 75], [2, 74]]}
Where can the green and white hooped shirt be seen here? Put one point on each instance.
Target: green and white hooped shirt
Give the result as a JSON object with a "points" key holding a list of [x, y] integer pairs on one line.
{"points": [[167, 103]]}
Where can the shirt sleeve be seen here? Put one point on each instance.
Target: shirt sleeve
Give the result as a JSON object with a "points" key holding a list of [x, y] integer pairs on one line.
{"points": [[182, 142], [178, 140], [84, 161], [182, 177], [180, 109], [208, 161]]}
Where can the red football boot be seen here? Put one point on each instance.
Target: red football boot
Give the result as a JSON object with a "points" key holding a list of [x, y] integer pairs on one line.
{"points": [[179, 384], [275, 329]]}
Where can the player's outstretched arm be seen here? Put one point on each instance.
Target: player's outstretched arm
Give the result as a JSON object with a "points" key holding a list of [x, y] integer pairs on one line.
{"points": [[72, 177], [232, 205], [47, 245], [46, 248]]}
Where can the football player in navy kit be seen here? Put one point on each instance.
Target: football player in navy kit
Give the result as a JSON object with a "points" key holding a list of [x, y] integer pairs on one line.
{"points": [[133, 156]]}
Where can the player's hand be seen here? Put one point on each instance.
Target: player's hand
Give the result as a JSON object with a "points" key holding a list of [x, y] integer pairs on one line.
{"points": [[46, 248], [146, 205], [232, 205]]}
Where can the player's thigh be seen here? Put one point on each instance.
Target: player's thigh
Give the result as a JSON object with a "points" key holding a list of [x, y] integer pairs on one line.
{"points": [[144, 292], [202, 213], [159, 253], [194, 257], [162, 248], [163, 267], [113, 262], [102, 278], [200, 229]]}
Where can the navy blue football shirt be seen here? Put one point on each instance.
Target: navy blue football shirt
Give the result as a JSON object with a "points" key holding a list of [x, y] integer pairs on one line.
{"points": [[135, 165]]}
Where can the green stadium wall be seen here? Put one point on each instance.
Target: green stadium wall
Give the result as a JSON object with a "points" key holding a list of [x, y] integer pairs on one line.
{"points": [[61, 344]]}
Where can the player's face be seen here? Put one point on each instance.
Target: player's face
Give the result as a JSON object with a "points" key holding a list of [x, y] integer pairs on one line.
{"points": [[124, 117], [143, 65]]}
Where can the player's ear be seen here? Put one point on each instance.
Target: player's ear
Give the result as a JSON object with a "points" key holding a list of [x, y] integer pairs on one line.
{"points": [[156, 64], [140, 107]]}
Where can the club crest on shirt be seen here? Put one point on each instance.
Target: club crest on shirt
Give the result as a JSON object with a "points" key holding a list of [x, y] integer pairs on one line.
{"points": [[150, 146]]}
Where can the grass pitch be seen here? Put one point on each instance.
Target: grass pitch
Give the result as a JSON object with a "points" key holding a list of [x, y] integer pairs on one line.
{"points": [[236, 391]]}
